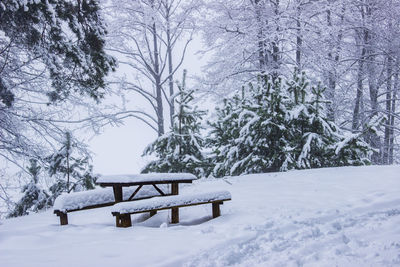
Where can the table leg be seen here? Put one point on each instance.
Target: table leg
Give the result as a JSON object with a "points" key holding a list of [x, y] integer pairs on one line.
{"points": [[117, 193], [174, 189], [175, 211]]}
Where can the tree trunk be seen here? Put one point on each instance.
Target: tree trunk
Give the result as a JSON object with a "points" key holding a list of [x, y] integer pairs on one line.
{"points": [[299, 40], [275, 47], [157, 76], [331, 83], [68, 171], [170, 70], [386, 142], [262, 56], [374, 139], [359, 106], [392, 121]]}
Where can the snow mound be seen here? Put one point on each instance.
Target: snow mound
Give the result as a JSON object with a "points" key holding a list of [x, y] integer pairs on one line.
{"points": [[170, 201], [347, 216]]}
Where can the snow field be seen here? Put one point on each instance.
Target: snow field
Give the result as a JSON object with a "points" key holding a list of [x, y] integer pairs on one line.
{"points": [[326, 217]]}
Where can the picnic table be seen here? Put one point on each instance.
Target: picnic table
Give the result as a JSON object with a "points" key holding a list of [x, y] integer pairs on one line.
{"points": [[103, 197], [138, 200], [117, 182]]}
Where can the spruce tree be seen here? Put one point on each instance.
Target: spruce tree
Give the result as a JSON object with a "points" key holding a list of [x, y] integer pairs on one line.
{"points": [[34, 198], [74, 169], [277, 126], [180, 149], [255, 130], [311, 131], [224, 130], [65, 36], [318, 141]]}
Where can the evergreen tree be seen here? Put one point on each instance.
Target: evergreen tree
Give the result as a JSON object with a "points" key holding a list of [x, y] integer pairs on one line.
{"points": [[34, 198], [180, 149], [223, 131], [278, 127], [318, 141], [253, 130], [312, 134], [76, 172], [65, 36]]}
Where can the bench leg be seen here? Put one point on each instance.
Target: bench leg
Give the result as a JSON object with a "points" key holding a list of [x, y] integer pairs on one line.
{"points": [[152, 213], [175, 215], [63, 218], [216, 211], [123, 220]]}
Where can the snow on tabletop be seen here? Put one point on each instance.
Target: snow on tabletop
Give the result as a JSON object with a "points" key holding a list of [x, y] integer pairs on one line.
{"points": [[78, 200], [170, 201], [146, 177]]}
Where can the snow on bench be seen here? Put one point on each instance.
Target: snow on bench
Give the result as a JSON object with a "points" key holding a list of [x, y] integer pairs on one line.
{"points": [[96, 198], [123, 210], [146, 178]]}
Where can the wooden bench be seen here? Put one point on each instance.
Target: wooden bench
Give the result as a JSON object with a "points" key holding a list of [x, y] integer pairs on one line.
{"points": [[96, 198], [122, 211]]}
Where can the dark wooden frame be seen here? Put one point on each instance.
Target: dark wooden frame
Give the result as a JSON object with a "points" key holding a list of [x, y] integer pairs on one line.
{"points": [[118, 197], [124, 219]]}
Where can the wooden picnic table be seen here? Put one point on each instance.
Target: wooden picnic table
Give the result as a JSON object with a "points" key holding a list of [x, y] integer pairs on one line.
{"points": [[125, 180], [117, 182]]}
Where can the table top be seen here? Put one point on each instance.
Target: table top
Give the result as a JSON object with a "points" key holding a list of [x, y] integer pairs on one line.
{"points": [[146, 178]]}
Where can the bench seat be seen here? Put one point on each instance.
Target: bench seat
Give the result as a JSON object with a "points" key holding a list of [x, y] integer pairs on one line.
{"points": [[96, 198], [123, 210]]}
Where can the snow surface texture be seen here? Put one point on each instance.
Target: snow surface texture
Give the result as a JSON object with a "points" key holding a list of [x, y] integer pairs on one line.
{"points": [[325, 217], [170, 201], [78, 200], [137, 178]]}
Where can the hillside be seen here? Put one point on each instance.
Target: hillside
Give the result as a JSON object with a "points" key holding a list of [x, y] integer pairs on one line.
{"points": [[325, 217]]}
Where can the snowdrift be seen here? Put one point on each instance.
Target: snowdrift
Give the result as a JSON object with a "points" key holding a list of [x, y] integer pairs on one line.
{"points": [[325, 217]]}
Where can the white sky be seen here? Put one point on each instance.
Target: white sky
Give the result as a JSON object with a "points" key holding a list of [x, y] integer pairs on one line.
{"points": [[118, 149]]}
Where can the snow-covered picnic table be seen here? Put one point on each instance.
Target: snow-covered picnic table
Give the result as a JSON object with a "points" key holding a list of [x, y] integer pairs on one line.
{"points": [[103, 197], [117, 182]]}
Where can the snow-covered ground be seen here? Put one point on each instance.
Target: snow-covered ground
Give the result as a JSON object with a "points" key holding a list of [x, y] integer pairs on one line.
{"points": [[325, 217]]}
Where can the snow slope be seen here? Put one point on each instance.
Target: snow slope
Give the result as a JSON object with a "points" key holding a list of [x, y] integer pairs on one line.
{"points": [[326, 217]]}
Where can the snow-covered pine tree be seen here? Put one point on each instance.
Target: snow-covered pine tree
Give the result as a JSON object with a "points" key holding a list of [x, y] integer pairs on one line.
{"points": [[278, 127], [311, 132], [34, 198], [253, 128], [316, 140], [224, 130], [352, 149], [66, 37], [181, 148], [262, 137], [75, 170]]}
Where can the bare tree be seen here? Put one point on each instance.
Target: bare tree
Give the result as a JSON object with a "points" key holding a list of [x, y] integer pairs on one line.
{"points": [[147, 37]]}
